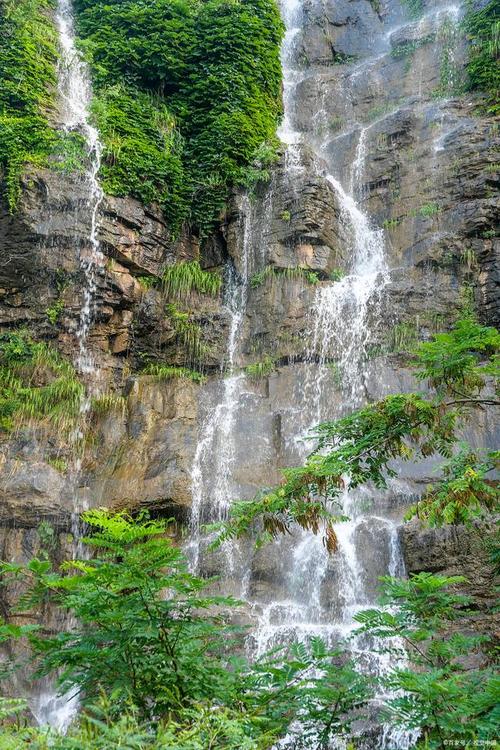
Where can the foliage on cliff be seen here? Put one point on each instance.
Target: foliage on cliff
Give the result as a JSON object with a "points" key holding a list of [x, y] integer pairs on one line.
{"points": [[359, 448], [450, 692], [36, 383], [215, 65], [483, 30], [28, 54]]}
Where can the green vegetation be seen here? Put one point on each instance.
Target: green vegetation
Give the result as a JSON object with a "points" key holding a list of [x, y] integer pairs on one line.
{"points": [[360, 447], [106, 403], [187, 98], [289, 274], [335, 123], [403, 336], [154, 661], [407, 49], [166, 372], [463, 494], [187, 332], [145, 634], [48, 538], [440, 694], [260, 369], [181, 279], [415, 7], [54, 312], [28, 55], [59, 464], [142, 150], [336, 274], [483, 31], [428, 209], [391, 223], [36, 383]]}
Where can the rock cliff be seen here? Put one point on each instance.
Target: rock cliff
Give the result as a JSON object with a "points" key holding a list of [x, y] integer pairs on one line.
{"points": [[425, 164]]}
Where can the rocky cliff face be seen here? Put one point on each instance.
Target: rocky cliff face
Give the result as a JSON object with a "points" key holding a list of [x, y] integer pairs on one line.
{"points": [[422, 161]]}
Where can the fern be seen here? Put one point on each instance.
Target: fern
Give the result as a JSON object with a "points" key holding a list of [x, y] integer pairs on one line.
{"points": [[36, 384], [182, 279]]}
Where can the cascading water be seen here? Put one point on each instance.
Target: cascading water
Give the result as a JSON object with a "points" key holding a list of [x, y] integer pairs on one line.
{"points": [[75, 92], [314, 595], [214, 456]]}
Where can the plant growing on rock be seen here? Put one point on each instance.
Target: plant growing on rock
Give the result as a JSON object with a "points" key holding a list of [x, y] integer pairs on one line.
{"points": [[260, 369], [188, 98], [167, 372], [181, 279], [28, 55], [482, 27], [36, 383]]}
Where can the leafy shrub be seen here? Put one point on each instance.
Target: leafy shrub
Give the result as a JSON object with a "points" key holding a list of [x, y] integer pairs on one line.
{"points": [[142, 150], [145, 633], [448, 700], [463, 494]]}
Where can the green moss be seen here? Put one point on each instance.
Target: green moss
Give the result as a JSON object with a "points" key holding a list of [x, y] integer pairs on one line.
{"points": [[36, 383]]}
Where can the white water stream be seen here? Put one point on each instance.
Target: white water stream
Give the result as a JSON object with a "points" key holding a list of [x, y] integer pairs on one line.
{"points": [[317, 596], [75, 93]]}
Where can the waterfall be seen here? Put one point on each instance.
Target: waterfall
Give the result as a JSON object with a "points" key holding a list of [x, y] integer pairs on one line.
{"points": [[214, 456], [317, 595], [75, 93]]}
